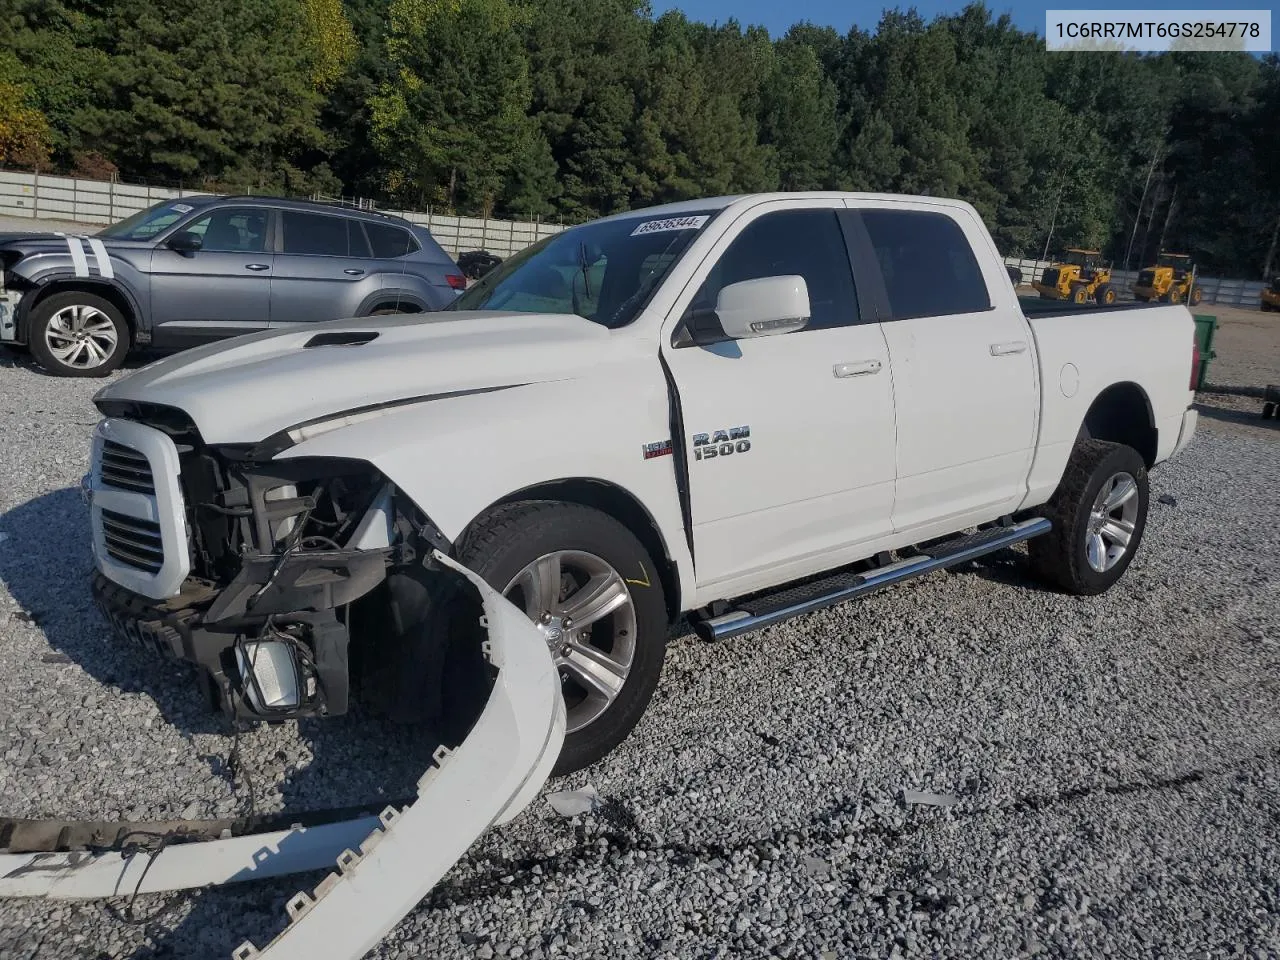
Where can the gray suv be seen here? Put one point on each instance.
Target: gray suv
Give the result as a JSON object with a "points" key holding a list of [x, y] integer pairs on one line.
{"points": [[189, 271]]}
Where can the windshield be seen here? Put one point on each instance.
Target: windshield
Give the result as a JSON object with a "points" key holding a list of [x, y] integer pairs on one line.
{"points": [[602, 271], [145, 224], [1173, 260]]}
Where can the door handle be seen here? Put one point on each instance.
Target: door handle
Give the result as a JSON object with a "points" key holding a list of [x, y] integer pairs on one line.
{"points": [[352, 272], [1005, 349], [257, 266], [860, 369]]}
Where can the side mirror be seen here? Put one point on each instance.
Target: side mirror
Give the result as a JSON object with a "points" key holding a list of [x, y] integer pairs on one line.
{"points": [[184, 241], [764, 307]]}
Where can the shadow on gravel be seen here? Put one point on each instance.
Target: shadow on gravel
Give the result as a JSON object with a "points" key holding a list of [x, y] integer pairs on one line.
{"points": [[1244, 418], [1008, 567], [356, 760], [21, 359]]}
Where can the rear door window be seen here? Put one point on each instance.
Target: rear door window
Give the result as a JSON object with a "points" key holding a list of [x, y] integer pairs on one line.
{"points": [[319, 235], [389, 242], [927, 262]]}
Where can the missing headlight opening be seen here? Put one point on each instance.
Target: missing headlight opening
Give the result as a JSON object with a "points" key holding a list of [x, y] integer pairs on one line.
{"points": [[283, 595]]}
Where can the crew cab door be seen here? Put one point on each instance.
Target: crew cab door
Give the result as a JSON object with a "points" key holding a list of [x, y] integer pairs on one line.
{"points": [[323, 270], [221, 290], [788, 439], [963, 364]]}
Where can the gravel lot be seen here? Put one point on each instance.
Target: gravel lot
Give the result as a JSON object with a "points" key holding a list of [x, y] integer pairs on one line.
{"points": [[1115, 761]]}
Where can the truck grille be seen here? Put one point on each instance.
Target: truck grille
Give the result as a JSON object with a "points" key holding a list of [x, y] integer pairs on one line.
{"points": [[126, 469], [1147, 278], [136, 542], [1275, 285], [1050, 278], [137, 510]]}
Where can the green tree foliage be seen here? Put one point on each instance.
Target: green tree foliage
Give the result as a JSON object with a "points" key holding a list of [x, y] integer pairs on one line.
{"points": [[454, 119], [580, 108], [24, 131], [329, 33], [219, 91]]}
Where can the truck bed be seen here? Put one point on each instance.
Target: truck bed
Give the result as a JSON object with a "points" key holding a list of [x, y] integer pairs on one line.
{"points": [[1033, 306]]}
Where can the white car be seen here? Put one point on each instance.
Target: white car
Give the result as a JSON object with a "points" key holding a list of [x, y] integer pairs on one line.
{"points": [[737, 409]]}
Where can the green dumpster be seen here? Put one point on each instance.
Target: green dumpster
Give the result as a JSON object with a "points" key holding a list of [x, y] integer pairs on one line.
{"points": [[1206, 327]]}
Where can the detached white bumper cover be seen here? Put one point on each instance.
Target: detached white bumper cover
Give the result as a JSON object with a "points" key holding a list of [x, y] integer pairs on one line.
{"points": [[489, 779]]}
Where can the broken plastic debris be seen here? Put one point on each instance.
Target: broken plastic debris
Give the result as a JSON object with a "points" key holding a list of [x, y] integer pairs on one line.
{"points": [[572, 803], [924, 798]]}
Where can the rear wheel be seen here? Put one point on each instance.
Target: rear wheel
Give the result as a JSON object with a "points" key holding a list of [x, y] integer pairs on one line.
{"points": [[76, 334], [1105, 294], [1172, 295], [1099, 512], [1196, 296]]}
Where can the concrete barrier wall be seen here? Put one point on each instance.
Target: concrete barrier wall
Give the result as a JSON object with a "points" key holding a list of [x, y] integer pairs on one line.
{"points": [[40, 197], [28, 195]]}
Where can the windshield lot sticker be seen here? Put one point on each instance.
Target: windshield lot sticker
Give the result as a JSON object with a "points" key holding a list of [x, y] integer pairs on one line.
{"points": [[671, 223]]}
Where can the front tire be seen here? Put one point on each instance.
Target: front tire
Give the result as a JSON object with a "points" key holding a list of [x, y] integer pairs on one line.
{"points": [[1105, 295], [595, 594], [1099, 513], [77, 334]]}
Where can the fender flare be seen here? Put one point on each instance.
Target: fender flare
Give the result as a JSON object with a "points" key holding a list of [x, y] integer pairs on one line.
{"points": [[54, 282], [401, 294]]}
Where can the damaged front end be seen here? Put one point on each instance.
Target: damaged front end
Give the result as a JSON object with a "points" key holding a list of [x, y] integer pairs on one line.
{"points": [[249, 568], [384, 865], [256, 570]]}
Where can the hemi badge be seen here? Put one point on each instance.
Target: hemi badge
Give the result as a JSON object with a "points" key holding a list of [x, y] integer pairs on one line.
{"points": [[660, 449]]}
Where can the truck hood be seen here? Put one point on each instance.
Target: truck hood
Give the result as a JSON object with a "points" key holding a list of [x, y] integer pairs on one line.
{"points": [[252, 387]]}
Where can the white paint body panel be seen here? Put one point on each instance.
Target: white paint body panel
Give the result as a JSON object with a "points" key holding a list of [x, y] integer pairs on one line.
{"points": [[819, 475], [966, 394], [946, 434], [1150, 347]]}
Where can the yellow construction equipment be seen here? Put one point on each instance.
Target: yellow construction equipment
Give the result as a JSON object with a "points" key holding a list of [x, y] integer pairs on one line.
{"points": [[1080, 277], [1171, 280], [1271, 295]]}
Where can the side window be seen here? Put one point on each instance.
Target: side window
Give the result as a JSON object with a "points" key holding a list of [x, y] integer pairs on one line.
{"points": [[805, 242], [232, 230], [390, 242], [315, 234], [357, 243], [928, 264]]}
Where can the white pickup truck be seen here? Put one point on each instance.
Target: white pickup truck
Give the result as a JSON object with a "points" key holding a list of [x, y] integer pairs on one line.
{"points": [[737, 410]]}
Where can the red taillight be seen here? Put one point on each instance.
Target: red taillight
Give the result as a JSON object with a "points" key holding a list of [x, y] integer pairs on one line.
{"points": [[1195, 361], [456, 280]]}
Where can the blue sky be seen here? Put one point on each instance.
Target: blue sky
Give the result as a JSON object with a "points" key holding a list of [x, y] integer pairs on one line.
{"points": [[841, 14]]}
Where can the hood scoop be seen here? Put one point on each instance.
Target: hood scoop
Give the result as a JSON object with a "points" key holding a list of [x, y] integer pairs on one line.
{"points": [[341, 338]]}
